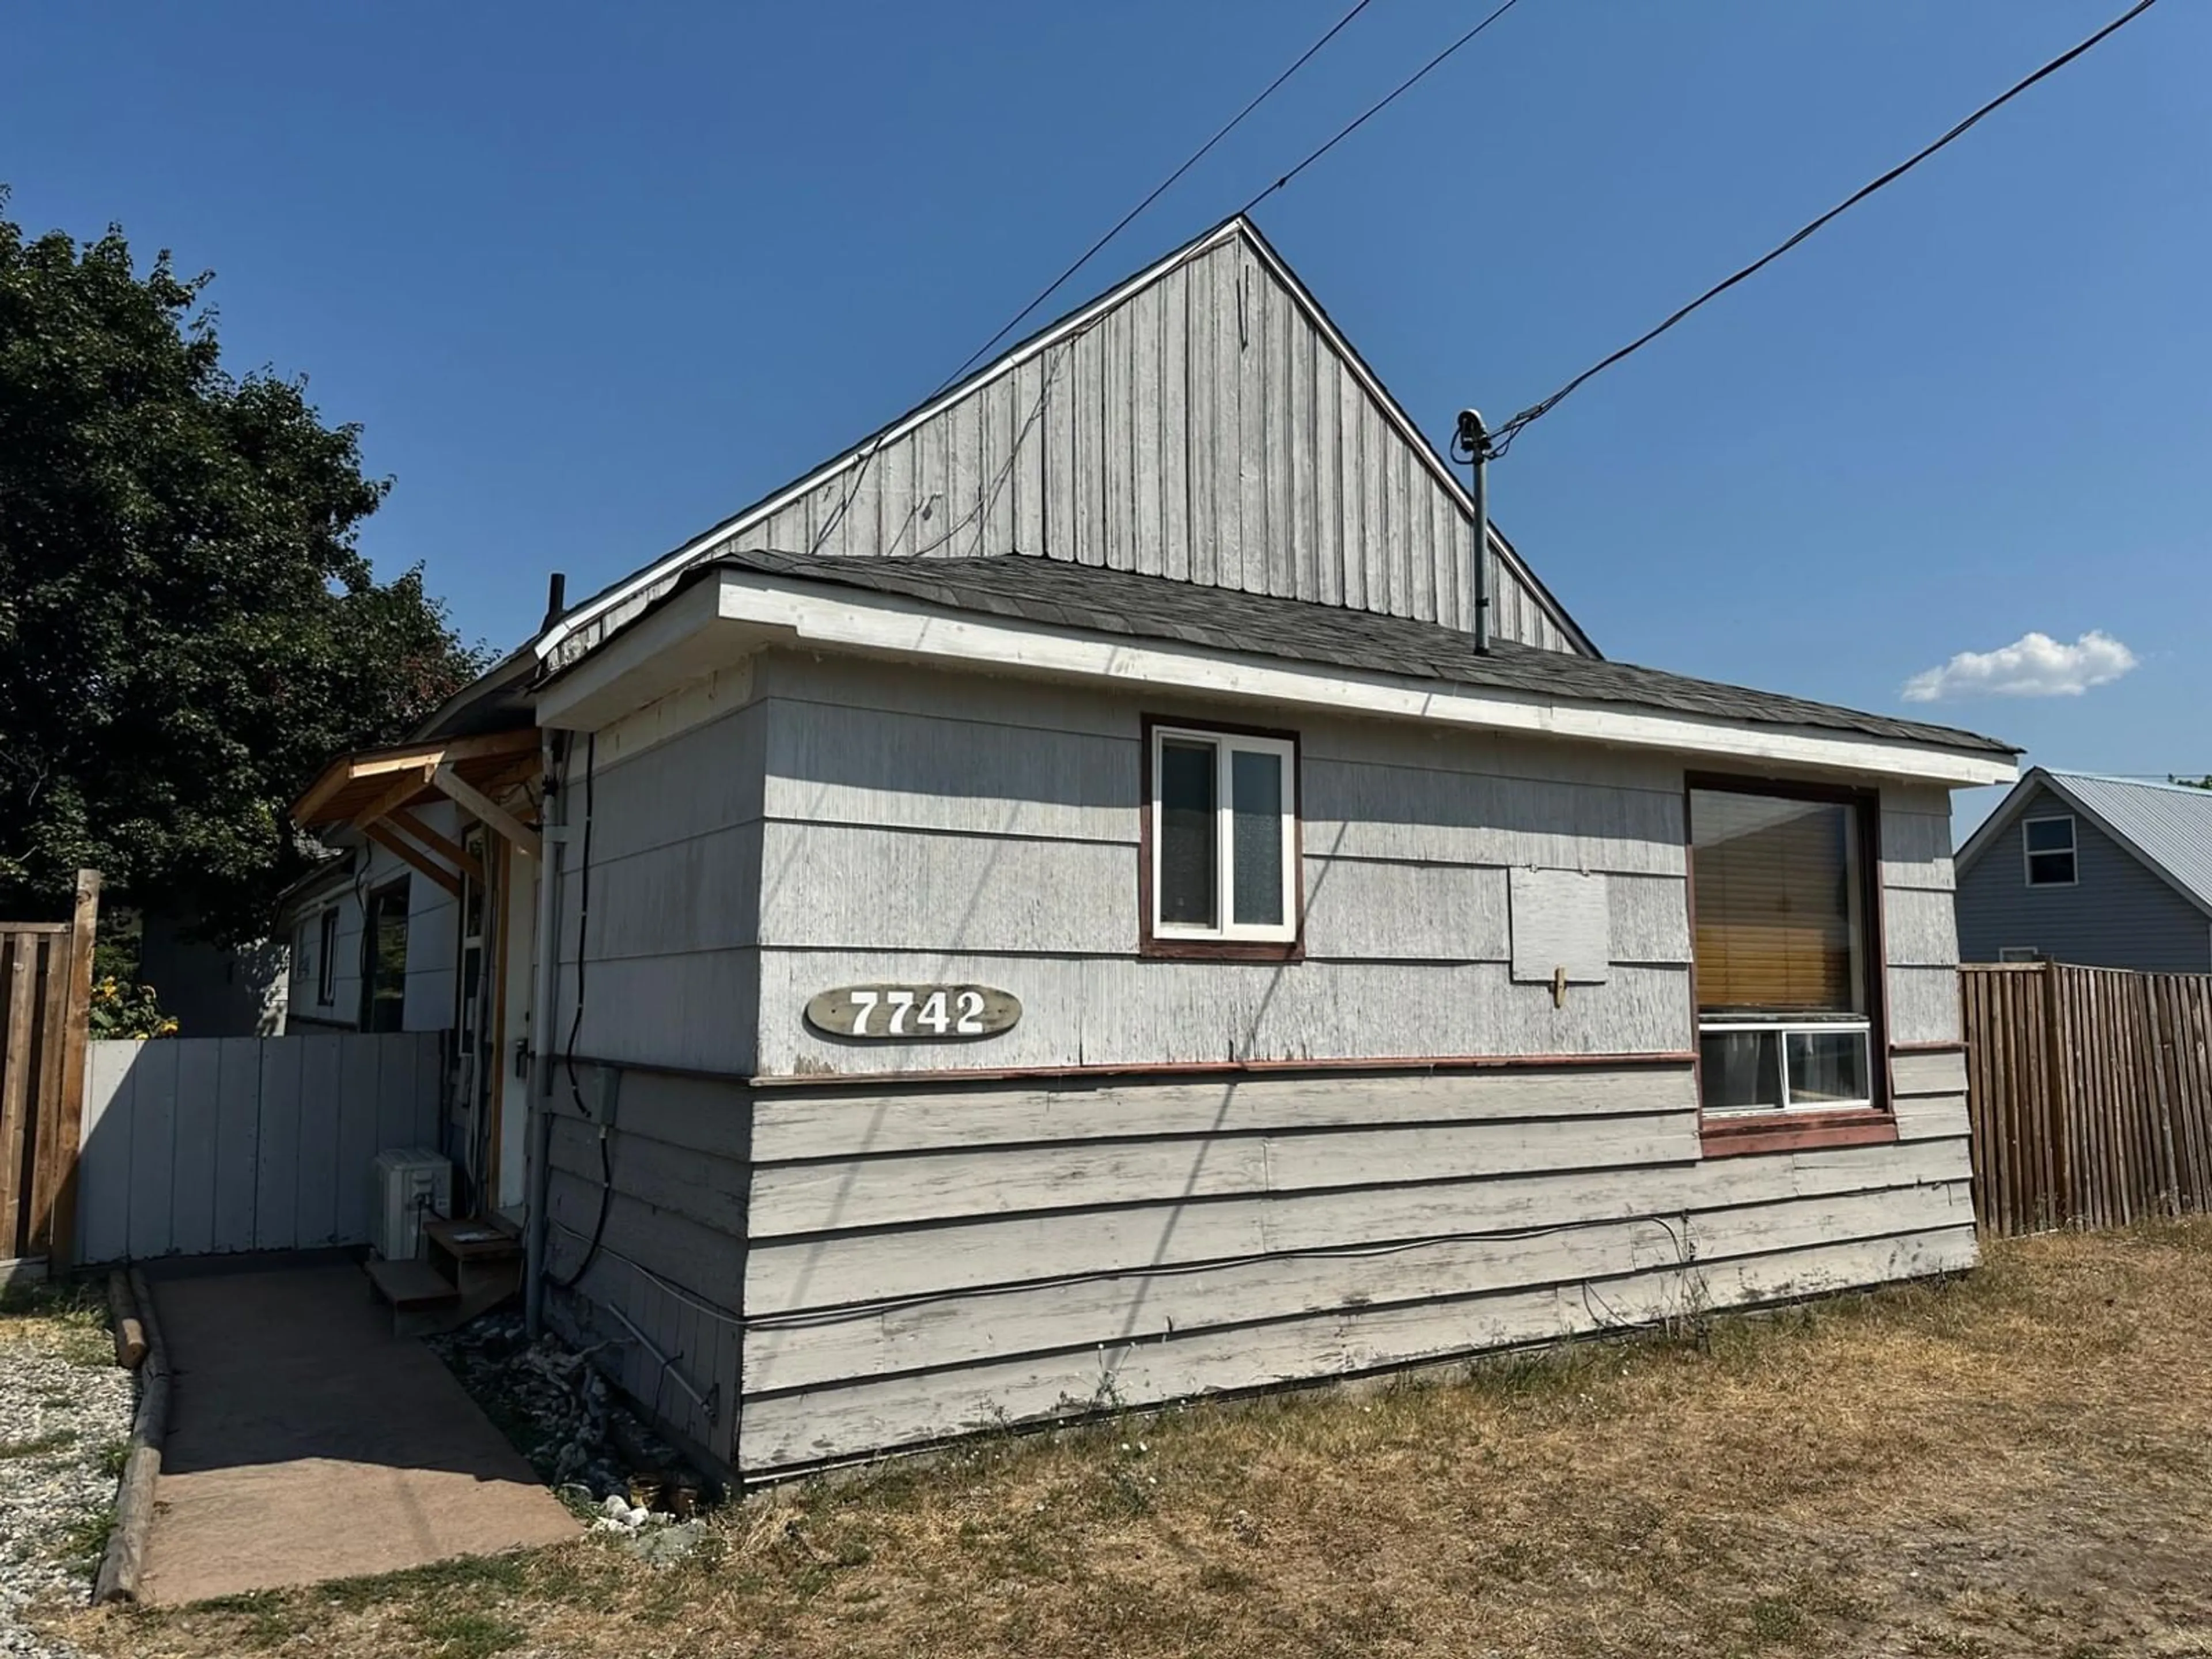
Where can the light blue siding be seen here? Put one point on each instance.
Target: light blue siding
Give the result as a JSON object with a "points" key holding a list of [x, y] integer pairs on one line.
{"points": [[2118, 913]]}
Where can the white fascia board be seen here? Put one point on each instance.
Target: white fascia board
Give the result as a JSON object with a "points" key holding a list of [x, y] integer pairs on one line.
{"points": [[740, 611], [813, 614]]}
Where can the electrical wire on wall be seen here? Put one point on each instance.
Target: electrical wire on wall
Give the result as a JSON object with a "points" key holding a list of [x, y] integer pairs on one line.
{"points": [[576, 1025]]}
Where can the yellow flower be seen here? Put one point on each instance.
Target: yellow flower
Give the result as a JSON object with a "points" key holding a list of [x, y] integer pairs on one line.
{"points": [[167, 1028]]}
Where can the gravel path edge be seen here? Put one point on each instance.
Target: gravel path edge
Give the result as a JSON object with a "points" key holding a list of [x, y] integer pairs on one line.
{"points": [[126, 1556]]}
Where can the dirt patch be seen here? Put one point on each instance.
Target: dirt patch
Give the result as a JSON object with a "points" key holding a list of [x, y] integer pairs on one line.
{"points": [[2020, 1463]]}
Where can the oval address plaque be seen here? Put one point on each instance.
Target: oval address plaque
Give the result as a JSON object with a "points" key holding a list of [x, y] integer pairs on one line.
{"points": [[913, 1013]]}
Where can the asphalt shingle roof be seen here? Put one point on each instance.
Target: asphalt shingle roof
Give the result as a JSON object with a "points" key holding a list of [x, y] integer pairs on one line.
{"points": [[1056, 592]]}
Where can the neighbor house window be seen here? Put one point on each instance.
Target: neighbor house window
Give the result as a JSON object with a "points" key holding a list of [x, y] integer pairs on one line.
{"points": [[326, 960], [1221, 839], [2019, 953], [2048, 845], [1783, 954]]}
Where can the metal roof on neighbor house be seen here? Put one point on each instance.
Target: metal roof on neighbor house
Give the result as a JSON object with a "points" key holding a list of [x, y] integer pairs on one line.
{"points": [[1089, 596], [2168, 825]]}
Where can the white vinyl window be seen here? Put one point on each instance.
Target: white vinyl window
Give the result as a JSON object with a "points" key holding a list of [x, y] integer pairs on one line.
{"points": [[2047, 846], [2019, 953], [1223, 837]]}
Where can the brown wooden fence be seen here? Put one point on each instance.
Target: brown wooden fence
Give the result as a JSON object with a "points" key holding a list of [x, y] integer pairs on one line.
{"points": [[45, 985], [2091, 1091]]}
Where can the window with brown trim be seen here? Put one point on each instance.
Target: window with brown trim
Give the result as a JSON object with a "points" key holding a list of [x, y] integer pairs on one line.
{"points": [[1220, 856], [1786, 952]]}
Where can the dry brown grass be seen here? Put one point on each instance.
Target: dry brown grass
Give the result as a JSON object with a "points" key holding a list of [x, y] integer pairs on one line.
{"points": [[2020, 1463]]}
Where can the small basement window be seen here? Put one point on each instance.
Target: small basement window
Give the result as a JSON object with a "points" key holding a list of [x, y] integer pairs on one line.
{"points": [[2019, 953], [1783, 954], [1222, 827], [2048, 846]]}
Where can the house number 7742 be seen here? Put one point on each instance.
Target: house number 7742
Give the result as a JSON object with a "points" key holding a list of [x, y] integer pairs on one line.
{"points": [[913, 1013]]}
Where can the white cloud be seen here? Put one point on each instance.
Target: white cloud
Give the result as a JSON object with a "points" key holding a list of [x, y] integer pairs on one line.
{"points": [[2032, 665]]}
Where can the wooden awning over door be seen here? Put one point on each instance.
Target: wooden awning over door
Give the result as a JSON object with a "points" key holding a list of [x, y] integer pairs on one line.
{"points": [[376, 791]]}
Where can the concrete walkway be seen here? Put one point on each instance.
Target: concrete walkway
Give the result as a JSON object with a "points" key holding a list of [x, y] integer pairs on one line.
{"points": [[307, 1442]]}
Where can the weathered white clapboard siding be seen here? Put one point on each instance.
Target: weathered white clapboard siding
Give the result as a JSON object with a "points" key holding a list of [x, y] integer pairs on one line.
{"points": [[1920, 933], [925, 1262], [819, 1424], [942, 827], [1929, 1095], [963, 1331], [810, 1198], [835, 1270], [671, 973], [1923, 1004], [1110, 1011], [672, 1248], [1916, 838], [812, 1125], [206, 1146], [1203, 422]]}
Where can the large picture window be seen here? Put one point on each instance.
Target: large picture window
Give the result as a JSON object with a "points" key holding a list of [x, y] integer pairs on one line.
{"points": [[1221, 855], [1785, 952]]}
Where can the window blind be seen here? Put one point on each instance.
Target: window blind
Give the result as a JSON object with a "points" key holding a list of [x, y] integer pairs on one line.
{"points": [[1776, 887]]}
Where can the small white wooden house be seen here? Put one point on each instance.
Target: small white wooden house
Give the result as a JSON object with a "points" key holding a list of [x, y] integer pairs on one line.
{"points": [[1054, 907]]}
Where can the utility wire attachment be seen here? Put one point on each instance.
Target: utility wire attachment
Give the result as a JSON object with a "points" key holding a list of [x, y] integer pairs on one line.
{"points": [[1502, 440]]}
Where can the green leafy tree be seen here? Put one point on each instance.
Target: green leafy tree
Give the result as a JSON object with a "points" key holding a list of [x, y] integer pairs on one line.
{"points": [[187, 630]]}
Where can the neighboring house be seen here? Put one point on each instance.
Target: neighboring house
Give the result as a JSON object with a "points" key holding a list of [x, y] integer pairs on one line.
{"points": [[213, 990], [2108, 872], [1061, 907]]}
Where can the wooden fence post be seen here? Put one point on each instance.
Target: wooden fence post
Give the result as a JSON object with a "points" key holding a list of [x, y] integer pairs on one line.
{"points": [[2159, 1043], [60, 1167], [2057, 1068]]}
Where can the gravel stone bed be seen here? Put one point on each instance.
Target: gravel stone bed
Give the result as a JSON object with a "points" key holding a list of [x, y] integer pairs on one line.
{"points": [[65, 1409]]}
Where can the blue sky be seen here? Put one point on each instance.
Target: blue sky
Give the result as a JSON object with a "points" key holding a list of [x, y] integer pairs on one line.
{"points": [[592, 278]]}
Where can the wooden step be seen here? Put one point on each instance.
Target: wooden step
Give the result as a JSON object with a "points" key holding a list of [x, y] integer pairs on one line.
{"points": [[472, 1240], [412, 1287]]}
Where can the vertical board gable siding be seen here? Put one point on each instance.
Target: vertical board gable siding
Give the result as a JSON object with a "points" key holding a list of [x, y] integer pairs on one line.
{"points": [[1203, 428]]}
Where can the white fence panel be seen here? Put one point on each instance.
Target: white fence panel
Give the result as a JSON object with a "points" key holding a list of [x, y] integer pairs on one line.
{"points": [[206, 1145]]}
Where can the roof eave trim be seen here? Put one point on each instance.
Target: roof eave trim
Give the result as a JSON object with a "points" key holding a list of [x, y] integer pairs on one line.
{"points": [[778, 610]]}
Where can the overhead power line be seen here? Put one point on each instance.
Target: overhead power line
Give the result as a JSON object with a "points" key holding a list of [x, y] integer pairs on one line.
{"points": [[1158, 190], [859, 473], [1379, 106], [1502, 438]]}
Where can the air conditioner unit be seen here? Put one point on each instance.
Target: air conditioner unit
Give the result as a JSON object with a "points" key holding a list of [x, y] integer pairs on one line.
{"points": [[406, 1184]]}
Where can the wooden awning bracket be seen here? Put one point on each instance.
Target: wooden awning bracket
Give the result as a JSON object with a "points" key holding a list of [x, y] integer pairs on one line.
{"points": [[454, 788], [381, 832]]}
